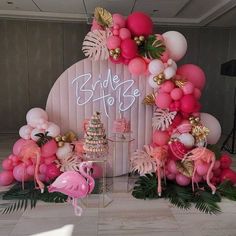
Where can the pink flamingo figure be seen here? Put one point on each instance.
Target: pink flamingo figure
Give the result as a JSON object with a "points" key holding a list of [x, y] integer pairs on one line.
{"points": [[31, 150], [198, 155], [75, 185], [160, 154]]}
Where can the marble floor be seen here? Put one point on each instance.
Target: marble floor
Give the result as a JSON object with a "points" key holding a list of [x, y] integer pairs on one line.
{"points": [[124, 216]]}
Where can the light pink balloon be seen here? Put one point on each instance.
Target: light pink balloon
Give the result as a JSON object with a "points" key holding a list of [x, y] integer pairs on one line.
{"points": [[34, 132], [156, 67], [53, 129], [137, 66], [7, 164], [6, 178], [36, 115], [213, 125], [113, 42], [176, 94], [169, 72], [119, 20], [20, 173], [30, 170], [171, 166], [17, 146], [43, 168], [188, 88], [182, 180], [202, 169], [167, 86], [124, 33], [176, 44], [25, 131], [163, 100]]}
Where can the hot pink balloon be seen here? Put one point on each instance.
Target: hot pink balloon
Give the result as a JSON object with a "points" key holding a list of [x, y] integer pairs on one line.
{"points": [[160, 138], [49, 149], [6, 178], [137, 66], [163, 100], [129, 48], [25, 131], [194, 74], [49, 160], [167, 86], [139, 24], [176, 94], [52, 171], [188, 103], [17, 146], [197, 93], [20, 173], [35, 115], [182, 180], [53, 129], [7, 164], [213, 125], [119, 20], [188, 88]]}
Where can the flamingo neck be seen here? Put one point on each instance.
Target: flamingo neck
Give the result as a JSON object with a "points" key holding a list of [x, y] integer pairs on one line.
{"points": [[83, 172]]}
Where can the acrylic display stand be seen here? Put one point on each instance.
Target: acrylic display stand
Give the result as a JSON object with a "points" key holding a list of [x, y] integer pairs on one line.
{"points": [[102, 193], [121, 143]]}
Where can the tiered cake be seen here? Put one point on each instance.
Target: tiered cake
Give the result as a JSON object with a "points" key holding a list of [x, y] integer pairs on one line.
{"points": [[95, 136]]}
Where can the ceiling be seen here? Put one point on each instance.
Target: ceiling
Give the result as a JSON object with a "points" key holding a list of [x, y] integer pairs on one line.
{"points": [[171, 12]]}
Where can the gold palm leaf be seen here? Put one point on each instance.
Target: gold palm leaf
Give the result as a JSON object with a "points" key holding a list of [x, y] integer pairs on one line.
{"points": [[149, 99], [185, 167], [103, 17]]}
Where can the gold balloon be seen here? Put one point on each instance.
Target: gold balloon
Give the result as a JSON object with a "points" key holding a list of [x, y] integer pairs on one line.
{"points": [[117, 50], [136, 38], [141, 38], [111, 52], [115, 56], [58, 138], [60, 144]]}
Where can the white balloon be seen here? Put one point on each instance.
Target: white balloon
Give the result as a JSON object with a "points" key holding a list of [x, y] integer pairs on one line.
{"points": [[187, 139], [152, 83], [25, 131], [53, 129], [36, 116], [169, 72], [156, 67], [176, 44], [172, 63], [65, 151]]}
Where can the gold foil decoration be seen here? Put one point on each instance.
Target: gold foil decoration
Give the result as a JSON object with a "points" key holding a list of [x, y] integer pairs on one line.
{"points": [[200, 132], [149, 99], [185, 167], [194, 120], [179, 82], [69, 137], [103, 17]]}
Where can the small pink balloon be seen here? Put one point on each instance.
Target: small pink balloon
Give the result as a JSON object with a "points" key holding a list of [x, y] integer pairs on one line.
{"points": [[176, 94], [20, 173], [113, 42], [30, 170], [188, 88], [118, 20], [197, 93], [6, 178], [7, 164], [188, 103], [52, 171], [167, 86], [115, 32], [43, 168], [202, 169], [160, 138], [163, 100], [17, 146], [137, 66], [156, 67], [124, 33], [34, 115], [49, 149], [182, 180], [171, 166], [171, 176], [53, 129]]}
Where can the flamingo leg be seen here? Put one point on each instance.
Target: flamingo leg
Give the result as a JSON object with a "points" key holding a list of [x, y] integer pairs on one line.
{"points": [[77, 209], [213, 188], [40, 184], [159, 180], [164, 170], [194, 172]]}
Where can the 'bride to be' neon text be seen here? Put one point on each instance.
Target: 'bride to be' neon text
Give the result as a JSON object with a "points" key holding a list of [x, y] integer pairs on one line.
{"points": [[109, 89]]}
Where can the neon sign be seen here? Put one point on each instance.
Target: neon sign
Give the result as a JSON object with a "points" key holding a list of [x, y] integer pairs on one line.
{"points": [[110, 89]]}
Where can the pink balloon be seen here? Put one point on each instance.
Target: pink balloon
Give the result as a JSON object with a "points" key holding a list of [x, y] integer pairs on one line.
{"points": [[49, 149], [171, 176], [194, 74], [52, 171], [188, 88], [97, 171], [182, 180], [35, 115], [160, 138], [113, 42], [118, 20], [129, 48], [6, 178], [42, 177], [197, 178], [202, 169], [49, 160], [25, 131], [43, 168], [7, 164], [167, 86], [188, 103], [30, 170], [171, 167], [20, 173], [176, 94], [165, 56], [137, 66], [213, 125], [124, 33], [156, 67], [163, 100], [216, 165], [139, 24], [197, 93], [53, 129], [17, 146]]}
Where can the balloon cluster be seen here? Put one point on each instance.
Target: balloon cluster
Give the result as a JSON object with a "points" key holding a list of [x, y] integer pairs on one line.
{"points": [[37, 122]]}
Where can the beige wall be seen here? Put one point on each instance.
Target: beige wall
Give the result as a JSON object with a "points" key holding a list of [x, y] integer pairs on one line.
{"points": [[33, 54]]}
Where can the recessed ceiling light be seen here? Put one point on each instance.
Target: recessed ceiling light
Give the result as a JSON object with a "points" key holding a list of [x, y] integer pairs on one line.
{"points": [[10, 2], [155, 10]]}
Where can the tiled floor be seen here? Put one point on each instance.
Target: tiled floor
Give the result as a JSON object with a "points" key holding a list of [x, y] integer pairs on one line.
{"points": [[124, 216]]}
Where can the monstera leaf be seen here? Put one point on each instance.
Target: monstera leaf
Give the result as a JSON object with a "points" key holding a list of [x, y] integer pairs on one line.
{"points": [[94, 45]]}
